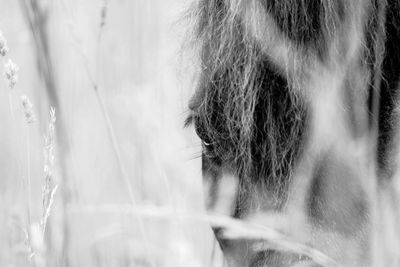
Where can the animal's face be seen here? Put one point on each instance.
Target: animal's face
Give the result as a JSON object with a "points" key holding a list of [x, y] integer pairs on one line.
{"points": [[295, 109]]}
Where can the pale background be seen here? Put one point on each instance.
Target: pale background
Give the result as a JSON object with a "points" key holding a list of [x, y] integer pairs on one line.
{"points": [[140, 63]]}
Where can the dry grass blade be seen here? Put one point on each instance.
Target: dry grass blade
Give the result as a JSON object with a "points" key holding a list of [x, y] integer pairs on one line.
{"points": [[233, 228], [29, 118], [49, 189], [236, 229]]}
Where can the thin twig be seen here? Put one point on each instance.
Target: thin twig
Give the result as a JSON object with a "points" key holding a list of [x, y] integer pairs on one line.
{"points": [[112, 136], [114, 142]]}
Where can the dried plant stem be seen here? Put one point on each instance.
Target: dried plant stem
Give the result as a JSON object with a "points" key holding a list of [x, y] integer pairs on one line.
{"points": [[11, 76], [28, 168], [114, 143], [37, 20], [28, 198], [111, 133], [233, 228], [102, 104], [113, 138], [121, 167], [110, 129]]}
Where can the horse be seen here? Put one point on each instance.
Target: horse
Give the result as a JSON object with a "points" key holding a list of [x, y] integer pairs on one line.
{"points": [[296, 106]]}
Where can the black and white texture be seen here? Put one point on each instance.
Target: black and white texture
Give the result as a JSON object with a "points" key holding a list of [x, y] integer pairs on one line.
{"points": [[296, 108]]}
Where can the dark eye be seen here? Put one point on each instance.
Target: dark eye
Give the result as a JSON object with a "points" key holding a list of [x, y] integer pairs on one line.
{"points": [[207, 143], [209, 152], [207, 146]]}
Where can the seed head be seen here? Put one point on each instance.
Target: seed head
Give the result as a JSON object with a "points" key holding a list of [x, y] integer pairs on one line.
{"points": [[11, 73], [3, 45], [28, 109]]}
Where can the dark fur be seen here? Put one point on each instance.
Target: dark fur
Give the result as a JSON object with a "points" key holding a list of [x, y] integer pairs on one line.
{"points": [[389, 88], [244, 108], [248, 114], [254, 122]]}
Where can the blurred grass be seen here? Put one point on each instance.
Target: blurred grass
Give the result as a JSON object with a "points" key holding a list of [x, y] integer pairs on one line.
{"points": [[136, 64]]}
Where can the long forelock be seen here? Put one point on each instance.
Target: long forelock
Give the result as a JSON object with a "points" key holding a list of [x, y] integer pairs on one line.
{"points": [[232, 92], [229, 58], [233, 84]]}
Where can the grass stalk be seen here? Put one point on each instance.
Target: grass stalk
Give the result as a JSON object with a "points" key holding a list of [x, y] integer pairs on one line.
{"points": [[37, 20], [118, 157], [31, 254]]}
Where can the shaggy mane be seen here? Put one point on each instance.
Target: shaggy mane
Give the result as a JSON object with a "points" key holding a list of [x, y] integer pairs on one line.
{"points": [[244, 109]]}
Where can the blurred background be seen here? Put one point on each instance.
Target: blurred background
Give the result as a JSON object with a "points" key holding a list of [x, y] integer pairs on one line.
{"points": [[125, 185]]}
